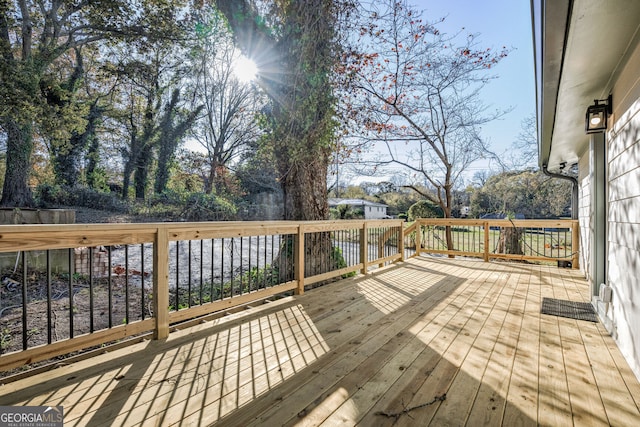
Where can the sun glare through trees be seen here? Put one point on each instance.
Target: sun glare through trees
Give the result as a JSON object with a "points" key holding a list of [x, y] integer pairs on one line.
{"points": [[245, 69]]}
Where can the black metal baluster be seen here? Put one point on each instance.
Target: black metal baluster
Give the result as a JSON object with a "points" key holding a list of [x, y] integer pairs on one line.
{"points": [[177, 307], [264, 274], [273, 239], [201, 269], [90, 249], [213, 246], [70, 289], [189, 297], [24, 301], [126, 284], [109, 287], [241, 265], [257, 263], [142, 274], [233, 241], [222, 269], [249, 270], [49, 324]]}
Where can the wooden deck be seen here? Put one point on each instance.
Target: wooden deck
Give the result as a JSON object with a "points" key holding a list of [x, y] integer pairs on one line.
{"points": [[432, 341]]}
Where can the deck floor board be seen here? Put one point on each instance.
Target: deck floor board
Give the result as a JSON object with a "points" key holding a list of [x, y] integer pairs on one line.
{"points": [[372, 350]]}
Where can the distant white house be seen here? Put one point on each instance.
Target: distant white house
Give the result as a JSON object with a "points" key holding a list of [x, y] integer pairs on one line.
{"points": [[371, 210]]}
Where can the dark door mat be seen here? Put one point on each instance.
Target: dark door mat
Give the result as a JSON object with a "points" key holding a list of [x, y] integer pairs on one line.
{"points": [[570, 309]]}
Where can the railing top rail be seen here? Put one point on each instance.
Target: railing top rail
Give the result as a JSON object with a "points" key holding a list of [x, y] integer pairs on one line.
{"points": [[548, 223], [189, 225], [58, 236]]}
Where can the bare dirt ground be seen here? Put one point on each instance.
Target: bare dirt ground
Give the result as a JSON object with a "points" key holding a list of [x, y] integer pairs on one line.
{"points": [[64, 299], [79, 305]]}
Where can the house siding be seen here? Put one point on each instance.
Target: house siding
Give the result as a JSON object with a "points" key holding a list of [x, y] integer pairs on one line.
{"points": [[623, 234], [584, 216]]}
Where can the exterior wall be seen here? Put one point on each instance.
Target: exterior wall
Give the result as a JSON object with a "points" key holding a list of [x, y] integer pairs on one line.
{"points": [[623, 268], [375, 212], [370, 210], [584, 216]]}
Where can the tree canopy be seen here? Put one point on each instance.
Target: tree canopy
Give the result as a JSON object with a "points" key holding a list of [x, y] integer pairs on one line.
{"points": [[415, 92], [40, 67], [143, 99], [530, 193]]}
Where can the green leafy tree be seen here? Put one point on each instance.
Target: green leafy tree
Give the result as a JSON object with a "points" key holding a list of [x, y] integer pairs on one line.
{"points": [[530, 193], [34, 37], [172, 127]]}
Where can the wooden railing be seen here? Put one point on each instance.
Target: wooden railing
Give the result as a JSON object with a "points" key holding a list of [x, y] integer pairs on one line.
{"points": [[71, 287], [65, 288], [554, 241]]}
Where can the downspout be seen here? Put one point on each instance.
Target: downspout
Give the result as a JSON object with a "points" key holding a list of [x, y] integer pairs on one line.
{"points": [[574, 189]]}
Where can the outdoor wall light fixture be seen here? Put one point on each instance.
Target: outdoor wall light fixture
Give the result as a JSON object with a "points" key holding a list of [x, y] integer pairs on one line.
{"points": [[597, 114]]}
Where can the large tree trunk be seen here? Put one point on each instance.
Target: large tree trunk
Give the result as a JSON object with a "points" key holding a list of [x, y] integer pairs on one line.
{"points": [[302, 95], [305, 189], [93, 150], [165, 156], [16, 191], [302, 116], [66, 160], [141, 173], [510, 241]]}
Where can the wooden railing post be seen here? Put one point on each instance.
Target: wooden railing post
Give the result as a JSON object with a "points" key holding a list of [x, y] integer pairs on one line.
{"points": [[299, 260], [161, 283], [418, 237], [364, 245], [575, 245], [486, 241]]}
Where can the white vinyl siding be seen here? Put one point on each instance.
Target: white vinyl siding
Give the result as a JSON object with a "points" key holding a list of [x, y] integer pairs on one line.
{"points": [[623, 236], [584, 216]]}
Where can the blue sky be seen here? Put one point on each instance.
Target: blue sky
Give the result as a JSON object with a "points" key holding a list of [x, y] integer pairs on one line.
{"points": [[499, 23]]}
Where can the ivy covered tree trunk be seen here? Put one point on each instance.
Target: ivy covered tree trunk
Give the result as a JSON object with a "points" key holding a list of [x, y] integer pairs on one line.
{"points": [[301, 121], [139, 154], [172, 128], [16, 192], [141, 173], [67, 158], [305, 190], [93, 147]]}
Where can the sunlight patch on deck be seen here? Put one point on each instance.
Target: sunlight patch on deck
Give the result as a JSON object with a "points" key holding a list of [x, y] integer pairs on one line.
{"points": [[382, 296], [205, 379], [391, 290]]}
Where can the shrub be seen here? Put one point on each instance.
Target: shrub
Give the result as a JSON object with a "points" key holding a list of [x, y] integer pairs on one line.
{"points": [[424, 209], [208, 207], [52, 195]]}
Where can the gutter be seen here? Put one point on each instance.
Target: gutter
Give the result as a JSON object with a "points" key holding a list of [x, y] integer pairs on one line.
{"points": [[574, 189]]}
